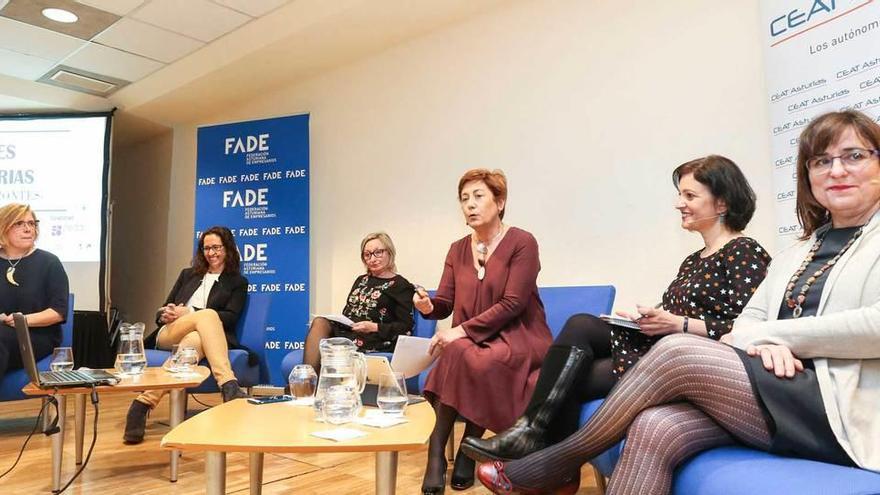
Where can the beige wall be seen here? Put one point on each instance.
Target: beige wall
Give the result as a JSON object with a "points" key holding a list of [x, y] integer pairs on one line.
{"points": [[138, 192], [586, 105]]}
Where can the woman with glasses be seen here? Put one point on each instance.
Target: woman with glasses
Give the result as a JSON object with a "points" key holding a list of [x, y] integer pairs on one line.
{"points": [[379, 304], [35, 285], [201, 312], [712, 286], [488, 361], [801, 378]]}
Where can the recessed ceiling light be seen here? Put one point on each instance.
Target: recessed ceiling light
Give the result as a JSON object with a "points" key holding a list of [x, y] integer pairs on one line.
{"points": [[60, 15]]}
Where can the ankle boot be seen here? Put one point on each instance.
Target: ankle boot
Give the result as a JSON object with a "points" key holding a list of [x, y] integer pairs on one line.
{"points": [[135, 422], [230, 391], [528, 434], [462, 472]]}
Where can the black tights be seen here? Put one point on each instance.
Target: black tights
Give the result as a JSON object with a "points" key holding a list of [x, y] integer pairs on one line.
{"points": [[319, 329], [443, 426], [687, 394]]}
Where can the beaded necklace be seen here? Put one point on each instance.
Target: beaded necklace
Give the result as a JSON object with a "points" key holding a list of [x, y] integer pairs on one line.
{"points": [[794, 303]]}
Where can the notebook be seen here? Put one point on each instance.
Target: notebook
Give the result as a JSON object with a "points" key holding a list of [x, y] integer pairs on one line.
{"points": [[54, 379]]}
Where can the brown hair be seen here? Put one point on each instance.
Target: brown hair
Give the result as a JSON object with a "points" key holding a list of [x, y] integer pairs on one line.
{"points": [[385, 239], [11, 213], [494, 180], [821, 133], [232, 262], [726, 182]]}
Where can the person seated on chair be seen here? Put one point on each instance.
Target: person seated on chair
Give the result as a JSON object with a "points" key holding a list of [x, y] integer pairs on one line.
{"points": [[712, 286], [801, 378], [489, 360], [35, 285], [379, 304], [201, 312]]}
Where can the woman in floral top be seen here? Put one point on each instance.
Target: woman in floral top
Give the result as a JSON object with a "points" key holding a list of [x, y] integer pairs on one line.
{"points": [[712, 287], [380, 304]]}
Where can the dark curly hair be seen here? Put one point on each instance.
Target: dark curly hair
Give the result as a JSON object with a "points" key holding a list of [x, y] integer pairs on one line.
{"points": [[233, 259]]}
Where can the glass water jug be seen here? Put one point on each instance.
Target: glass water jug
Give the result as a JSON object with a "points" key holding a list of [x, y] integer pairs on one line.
{"points": [[342, 379], [130, 357]]}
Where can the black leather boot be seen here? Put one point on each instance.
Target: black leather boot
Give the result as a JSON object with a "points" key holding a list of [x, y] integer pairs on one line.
{"points": [[462, 472], [529, 432], [230, 391], [135, 422]]}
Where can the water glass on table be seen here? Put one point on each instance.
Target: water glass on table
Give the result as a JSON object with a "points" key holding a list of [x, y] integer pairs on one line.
{"points": [[62, 359], [187, 360], [302, 380], [392, 396]]}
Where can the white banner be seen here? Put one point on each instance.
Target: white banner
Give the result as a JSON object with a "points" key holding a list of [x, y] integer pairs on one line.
{"points": [[820, 56]]}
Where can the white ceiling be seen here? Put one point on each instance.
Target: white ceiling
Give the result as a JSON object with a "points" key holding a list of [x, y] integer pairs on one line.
{"points": [[186, 58]]}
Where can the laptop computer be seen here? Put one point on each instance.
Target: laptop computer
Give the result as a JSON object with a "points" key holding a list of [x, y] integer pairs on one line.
{"points": [[376, 367], [54, 379]]}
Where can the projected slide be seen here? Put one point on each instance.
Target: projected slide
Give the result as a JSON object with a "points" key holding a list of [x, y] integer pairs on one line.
{"points": [[56, 165]]}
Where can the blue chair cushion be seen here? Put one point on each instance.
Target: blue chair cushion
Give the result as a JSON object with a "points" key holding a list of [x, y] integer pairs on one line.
{"points": [[740, 470]]}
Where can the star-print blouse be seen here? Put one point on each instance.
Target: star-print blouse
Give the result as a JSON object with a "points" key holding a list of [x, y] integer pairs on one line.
{"points": [[714, 289]]}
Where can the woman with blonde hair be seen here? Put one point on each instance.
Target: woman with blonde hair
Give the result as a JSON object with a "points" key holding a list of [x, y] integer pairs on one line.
{"points": [[379, 303], [35, 285]]}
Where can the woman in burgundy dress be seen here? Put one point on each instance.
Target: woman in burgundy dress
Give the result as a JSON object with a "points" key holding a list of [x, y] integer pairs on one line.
{"points": [[489, 360]]}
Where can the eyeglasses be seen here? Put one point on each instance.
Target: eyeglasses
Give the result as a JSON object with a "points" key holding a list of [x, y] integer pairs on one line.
{"points": [[213, 249], [377, 254], [853, 159], [33, 224]]}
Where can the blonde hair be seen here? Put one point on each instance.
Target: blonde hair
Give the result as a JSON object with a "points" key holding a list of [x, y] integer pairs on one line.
{"points": [[385, 239], [11, 213]]}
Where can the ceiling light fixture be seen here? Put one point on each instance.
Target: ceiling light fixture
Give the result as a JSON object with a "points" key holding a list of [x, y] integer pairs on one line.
{"points": [[60, 15]]}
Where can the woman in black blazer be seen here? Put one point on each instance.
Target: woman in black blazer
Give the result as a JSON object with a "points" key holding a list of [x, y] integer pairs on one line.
{"points": [[201, 311]]}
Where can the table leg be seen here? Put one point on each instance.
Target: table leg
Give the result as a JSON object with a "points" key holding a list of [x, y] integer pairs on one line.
{"points": [[178, 399], [58, 444], [215, 473], [386, 473], [256, 473], [79, 425]]}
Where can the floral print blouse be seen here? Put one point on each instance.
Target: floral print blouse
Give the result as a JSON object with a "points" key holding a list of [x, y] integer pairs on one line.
{"points": [[385, 301]]}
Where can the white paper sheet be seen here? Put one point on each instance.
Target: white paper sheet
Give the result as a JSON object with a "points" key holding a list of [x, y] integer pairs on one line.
{"points": [[339, 434], [337, 318], [411, 355]]}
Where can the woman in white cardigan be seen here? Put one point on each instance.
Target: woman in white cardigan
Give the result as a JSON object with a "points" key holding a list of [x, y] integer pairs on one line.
{"points": [[803, 376]]}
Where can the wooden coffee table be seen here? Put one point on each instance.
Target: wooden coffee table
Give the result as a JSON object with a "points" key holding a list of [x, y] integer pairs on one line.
{"points": [[151, 379], [283, 427]]}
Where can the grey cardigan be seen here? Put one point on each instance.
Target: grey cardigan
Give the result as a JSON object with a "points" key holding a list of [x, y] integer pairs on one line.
{"points": [[843, 339]]}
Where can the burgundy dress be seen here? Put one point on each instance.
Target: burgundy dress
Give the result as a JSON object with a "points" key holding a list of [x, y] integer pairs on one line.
{"points": [[488, 376]]}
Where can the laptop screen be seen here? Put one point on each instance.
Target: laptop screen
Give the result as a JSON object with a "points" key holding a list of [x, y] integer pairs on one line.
{"points": [[24, 344]]}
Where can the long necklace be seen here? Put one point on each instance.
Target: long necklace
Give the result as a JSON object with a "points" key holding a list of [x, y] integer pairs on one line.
{"points": [[483, 249], [795, 303]]}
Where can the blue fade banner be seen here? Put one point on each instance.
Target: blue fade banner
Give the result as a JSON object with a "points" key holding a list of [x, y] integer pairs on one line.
{"points": [[820, 56], [253, 177]]}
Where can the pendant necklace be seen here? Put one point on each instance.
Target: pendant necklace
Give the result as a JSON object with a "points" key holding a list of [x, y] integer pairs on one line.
{"points": [[10, 272], [483, 249], [795, 302]]}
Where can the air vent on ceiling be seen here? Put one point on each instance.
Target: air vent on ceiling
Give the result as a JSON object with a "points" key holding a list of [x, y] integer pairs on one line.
{"points": [[83, 81]]}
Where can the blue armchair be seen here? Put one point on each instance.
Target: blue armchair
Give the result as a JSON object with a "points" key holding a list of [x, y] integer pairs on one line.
{"points": [[250, 334], [12, 383]]}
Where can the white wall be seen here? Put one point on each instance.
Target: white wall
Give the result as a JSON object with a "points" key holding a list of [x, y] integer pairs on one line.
{"points": [[586, 105]]}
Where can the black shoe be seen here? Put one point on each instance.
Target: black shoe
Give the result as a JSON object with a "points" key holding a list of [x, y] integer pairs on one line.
{"points": [[435, 489], [529, 433], [462, 472], [231, 391], [135, 423]]}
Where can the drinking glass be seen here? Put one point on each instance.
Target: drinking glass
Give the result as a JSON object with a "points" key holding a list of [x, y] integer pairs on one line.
{"points": [[392, 393], [170, 364], [62, 359], [187, 359], [302, 380]]}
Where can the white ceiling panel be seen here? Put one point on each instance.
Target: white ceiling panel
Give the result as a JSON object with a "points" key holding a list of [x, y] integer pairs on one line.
{"points": [[147, 40], [199, 19], [254, 8], [112, 62], [31, 40], [23, 66], [118, 7]]}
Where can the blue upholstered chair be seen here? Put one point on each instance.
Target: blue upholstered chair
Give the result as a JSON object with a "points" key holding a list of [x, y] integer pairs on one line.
{"points": [[12, 383], [249, 330]]}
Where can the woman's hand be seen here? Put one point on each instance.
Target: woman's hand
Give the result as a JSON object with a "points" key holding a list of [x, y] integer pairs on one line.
{"points": [[7, 319], [656, 321], [727, 338], [777, 358], [365, 327], [422, 302], [445, 337], [172, 312]]}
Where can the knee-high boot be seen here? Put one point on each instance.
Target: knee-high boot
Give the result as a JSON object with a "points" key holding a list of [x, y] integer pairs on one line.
{"points": [[529, 434]]}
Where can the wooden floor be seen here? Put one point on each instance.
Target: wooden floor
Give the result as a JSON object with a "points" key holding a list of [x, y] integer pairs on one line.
{"points": [[143, 469]]}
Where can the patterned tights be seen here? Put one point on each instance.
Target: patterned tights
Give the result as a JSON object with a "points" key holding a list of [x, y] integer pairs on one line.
{"points": [[686, 395]]}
